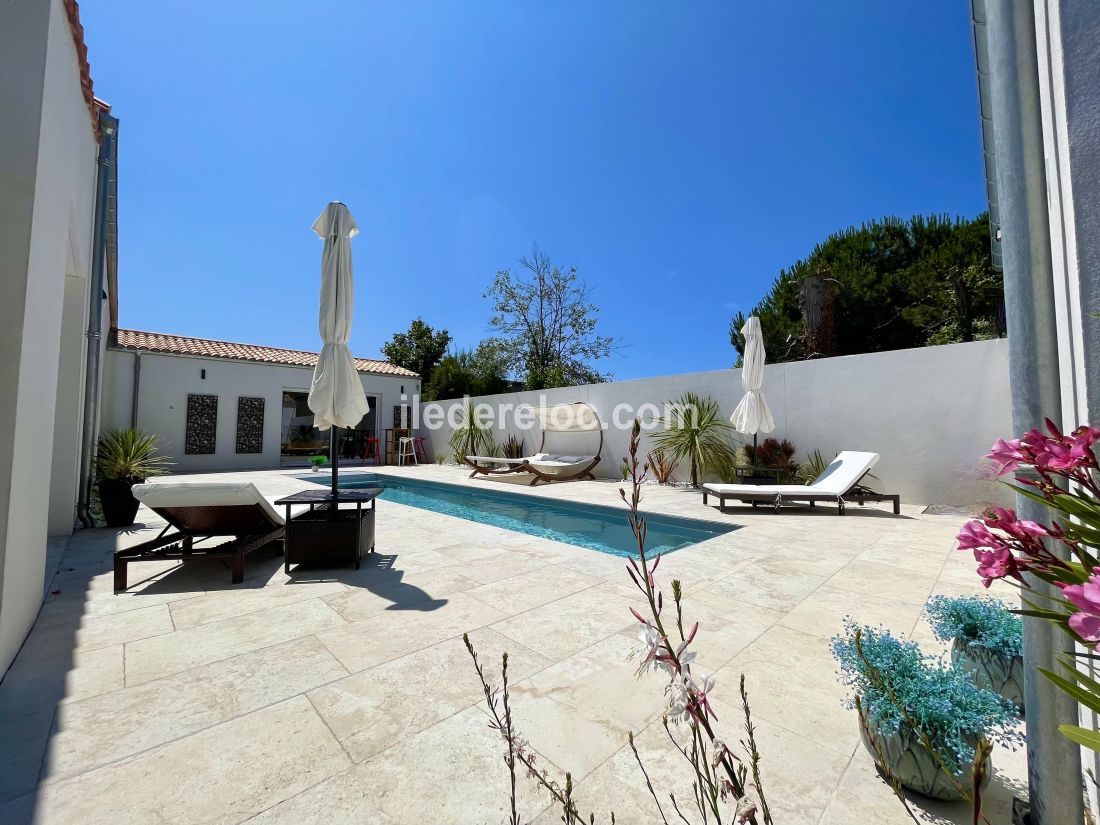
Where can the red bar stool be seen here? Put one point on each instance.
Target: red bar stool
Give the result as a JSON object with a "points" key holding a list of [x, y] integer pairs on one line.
{"points": [[421, 444], [371, 451]]}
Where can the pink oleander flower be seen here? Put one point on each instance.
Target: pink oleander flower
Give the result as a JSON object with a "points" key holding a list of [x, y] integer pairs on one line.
{"points": [[1073, 451], [974, 534], [1050, 452], [1008, 454], [996, 564], [1008, 522], [1086, 622], [1086, 435]]}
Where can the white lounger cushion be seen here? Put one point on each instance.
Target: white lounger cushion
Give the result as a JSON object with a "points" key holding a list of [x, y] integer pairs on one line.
{"points": [[839, 477], [203, 494]]}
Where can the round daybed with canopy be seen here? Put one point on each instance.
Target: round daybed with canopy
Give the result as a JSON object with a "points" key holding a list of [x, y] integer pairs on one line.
{"points": [[571, 419]]}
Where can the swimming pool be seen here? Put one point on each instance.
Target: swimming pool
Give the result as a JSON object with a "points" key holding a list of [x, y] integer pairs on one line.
{"points": [[604, 529]]}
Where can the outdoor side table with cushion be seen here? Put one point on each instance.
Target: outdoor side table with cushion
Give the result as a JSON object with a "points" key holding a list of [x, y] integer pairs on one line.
{"points": [[325, 533]]}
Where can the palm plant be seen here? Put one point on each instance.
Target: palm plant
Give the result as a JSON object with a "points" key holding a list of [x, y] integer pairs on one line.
{"points": [[129, 455], [696, 431], [471, 437]]}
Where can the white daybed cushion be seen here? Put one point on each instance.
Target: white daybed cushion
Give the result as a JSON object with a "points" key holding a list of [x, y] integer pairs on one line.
{"points": [[477, 458], [203, 494], [549, 462], [837, 479]]}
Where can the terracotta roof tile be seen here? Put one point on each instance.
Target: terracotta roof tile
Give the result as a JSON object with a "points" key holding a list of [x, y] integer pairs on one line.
{"points": [[72, 11], [133, 339]]}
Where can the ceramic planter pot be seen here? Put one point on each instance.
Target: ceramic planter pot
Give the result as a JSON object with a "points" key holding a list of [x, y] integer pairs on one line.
{"points": [[992, 671], [119, 505], [914, 765]]}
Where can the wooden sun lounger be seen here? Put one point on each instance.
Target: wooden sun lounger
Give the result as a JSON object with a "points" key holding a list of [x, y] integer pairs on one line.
{"points": [[196, 512]]}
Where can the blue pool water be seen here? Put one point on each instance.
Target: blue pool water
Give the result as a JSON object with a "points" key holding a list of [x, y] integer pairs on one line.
{"points": [[585, 525]]}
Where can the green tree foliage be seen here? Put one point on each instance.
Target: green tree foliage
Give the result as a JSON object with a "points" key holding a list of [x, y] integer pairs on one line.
{"points": [[897, 284], [545, 324], [419, 349], [469, 372]]}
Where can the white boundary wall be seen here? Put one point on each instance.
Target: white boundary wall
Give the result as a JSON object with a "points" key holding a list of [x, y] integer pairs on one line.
{"points": [[930, 412]]}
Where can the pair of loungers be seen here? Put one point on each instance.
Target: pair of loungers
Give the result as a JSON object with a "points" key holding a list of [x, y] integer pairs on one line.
{"points": [[838, 484]]}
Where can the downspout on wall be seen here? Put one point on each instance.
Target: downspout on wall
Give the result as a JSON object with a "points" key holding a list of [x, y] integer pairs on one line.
{"points": [[103, 254], [136, 392], [1008, 80]]}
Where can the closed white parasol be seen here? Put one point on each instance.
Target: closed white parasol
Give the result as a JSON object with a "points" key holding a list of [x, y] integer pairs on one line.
{"points": [[752, 414], [336, 397]]}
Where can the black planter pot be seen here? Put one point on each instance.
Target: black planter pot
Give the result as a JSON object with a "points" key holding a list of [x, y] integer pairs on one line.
{"points": [[119, 505]]}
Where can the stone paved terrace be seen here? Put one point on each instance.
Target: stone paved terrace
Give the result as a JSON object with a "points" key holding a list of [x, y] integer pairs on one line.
{"points": [[335, 696]]}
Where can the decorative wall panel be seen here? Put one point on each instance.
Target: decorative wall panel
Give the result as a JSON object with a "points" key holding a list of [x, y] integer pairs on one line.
{"points": [[250, 425], [202, 424]]}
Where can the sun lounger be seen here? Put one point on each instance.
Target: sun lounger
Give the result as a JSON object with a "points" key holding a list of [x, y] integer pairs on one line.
{"points": [[839, 483], [574, 419], [197, 512]]}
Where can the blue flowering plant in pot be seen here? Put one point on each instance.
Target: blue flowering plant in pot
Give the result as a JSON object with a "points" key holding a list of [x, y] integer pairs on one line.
{"points": [[986, 640], [927, 725]]}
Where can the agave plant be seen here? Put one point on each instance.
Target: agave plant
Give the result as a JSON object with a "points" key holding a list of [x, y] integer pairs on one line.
{"points": [[129, 455], [696, 431], [471, 436]]}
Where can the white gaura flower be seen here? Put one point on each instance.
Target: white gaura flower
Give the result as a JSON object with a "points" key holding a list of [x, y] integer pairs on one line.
{"points": [[685, 692], [680, 699], [746, 810], [719, 750], [649, 651], [686, 660], [706, 684]]}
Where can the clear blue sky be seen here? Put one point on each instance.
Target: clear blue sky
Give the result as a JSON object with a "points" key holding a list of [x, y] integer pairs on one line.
{"points": [[679, 154]]}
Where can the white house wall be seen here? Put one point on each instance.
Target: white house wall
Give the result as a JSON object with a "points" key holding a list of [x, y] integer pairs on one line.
{"points": [[930, 413], [166, 381], [47, 185]]}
